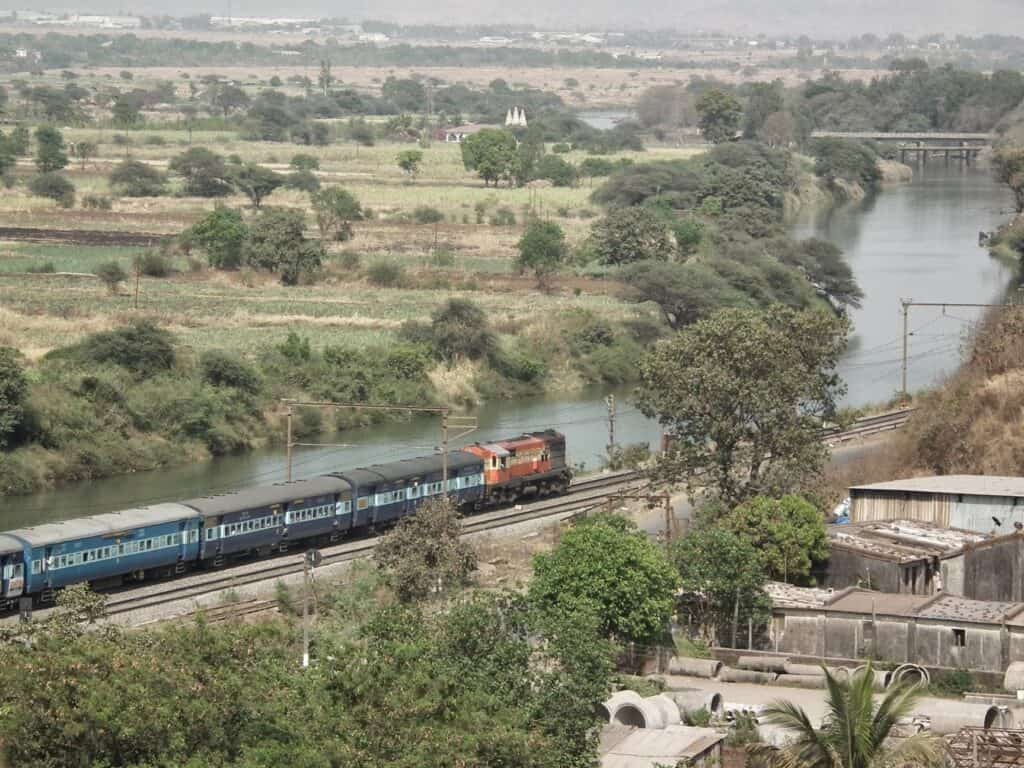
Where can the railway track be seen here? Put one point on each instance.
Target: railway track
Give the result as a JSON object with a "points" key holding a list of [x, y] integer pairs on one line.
{"points": [[868, 426], [583, 495]]}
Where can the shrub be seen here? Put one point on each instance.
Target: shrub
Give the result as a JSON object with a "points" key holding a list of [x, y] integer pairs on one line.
{"points": [[221, 234], [350, 260], [304, 181], [386, 274], [556, 170], [224, 370], [133, 178], [154, 141], [55, 186], [631, 234], [460, 330], [111, 273], [503, 217], [46, 268], [154, 264], [561, 148], [141, 347], [425, 214], [96, 202], [305, 162]]}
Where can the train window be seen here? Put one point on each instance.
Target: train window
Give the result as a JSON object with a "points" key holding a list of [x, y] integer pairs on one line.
{"points": [[37, 566]]}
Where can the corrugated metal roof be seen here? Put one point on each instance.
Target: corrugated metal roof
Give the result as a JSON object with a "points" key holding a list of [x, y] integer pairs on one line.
{"points": [[785, 595], [973, 485], [648, 747], [867, 601], [100, 525], [268, 495], [902, 540], [954, 608]]}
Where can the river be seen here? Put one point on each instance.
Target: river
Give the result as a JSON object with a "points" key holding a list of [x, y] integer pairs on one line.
{"points": [[917, 240]]}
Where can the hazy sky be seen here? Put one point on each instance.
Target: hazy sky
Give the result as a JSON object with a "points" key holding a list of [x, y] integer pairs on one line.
{"points": [[822, 17]]}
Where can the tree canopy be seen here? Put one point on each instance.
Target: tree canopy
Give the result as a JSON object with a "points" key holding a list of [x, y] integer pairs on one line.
{"points": [[789, 532], [719, 115], [203, 171], [134, 178], [1008, 166], [220, 234], [542, 248], [491, 153], [13, 394], [50, 151], [336, 210], [634, 233], [742, 394], [611, 571]]}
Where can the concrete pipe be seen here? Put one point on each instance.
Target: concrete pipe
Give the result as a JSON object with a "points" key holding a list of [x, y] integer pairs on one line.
{"points": [[730, 675], [693, 701], [802, 681], [840, 673], [804, 669], [680, 665], [763, 663], [640, 714], [950, 716], [910, 674], [881, 676], [669, 709], [1013, 680], [616, 701]]}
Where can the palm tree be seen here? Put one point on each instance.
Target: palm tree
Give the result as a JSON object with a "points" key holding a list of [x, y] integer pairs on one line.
{"points": [[854, 731]]}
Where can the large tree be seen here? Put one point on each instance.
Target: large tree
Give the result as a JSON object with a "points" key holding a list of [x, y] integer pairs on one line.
{"points": [[203, 171], [722, 580], [629, 234], [1008, 164], [742, 395], [276, 242], [684, 293], [542, 249], [611, 571], [50, 150], [255, 181], [856, 730], [491, 153], [336, 210], [221, 234], [789, 532], [134, 178], [720, 115]]}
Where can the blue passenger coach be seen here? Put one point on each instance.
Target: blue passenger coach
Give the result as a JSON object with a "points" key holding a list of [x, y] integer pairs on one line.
{"points": [[266, 518], [161, 537]]}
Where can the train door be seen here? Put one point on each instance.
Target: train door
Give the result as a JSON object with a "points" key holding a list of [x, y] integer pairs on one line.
{"points": [[13, 576]]}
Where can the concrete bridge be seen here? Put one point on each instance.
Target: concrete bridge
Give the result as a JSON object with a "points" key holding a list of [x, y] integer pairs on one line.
{"points": [[920, 146]]}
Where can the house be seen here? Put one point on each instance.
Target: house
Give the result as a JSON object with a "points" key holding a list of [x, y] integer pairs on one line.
{"points": [[983, 503], [458, 133], [940, 631], [622, 746], [901, 556]]}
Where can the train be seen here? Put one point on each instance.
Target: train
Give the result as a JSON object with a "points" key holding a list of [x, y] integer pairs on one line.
{"points": [[162, 540]]}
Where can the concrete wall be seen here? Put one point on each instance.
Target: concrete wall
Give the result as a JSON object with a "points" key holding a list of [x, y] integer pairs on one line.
{"points": [[975, 513], [846, 568], [896, 639], [994, 572], [953, 575]]}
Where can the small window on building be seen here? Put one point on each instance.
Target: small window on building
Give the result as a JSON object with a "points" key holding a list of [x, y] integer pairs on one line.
{"points": [[959, 638]]}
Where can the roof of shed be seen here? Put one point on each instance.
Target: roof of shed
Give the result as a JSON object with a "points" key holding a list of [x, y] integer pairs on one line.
{"points": [[100, 525], [974, 485], [268, 495], [956, 608], [902, 540], [868, 601], [941, 606], [625, 747], [785, 595]]}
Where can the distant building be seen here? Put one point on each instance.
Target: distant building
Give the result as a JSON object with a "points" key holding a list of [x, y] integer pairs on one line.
{"points": [[516, 118], [983, 503]]}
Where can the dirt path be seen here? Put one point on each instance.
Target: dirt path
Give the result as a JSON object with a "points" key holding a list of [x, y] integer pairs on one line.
{"points": [[80, 237]]}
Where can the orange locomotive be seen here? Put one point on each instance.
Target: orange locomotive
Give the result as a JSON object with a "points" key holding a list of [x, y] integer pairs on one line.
{"points": [[533, 463]]}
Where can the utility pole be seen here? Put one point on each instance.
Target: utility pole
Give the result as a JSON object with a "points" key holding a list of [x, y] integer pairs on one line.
{"points": [[305, 612], [288, 441], [610, 402], [138, 273], [905, 305]]}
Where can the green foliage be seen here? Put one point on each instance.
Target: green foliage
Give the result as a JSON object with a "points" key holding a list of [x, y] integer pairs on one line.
{"points": [[856, 730], [459, 330], [385, 274], [50, 150], [255, 182], [336, 209], [222, 369], [153, 263], [1008, 167], [133, 178], [425, 214], [542, 249], [619, 577], [685, 293], [111, 273], [203, 172], [763, 100], [13, 395], [140, 347], [627, 235], [846, 159], [83, 151], [221, 234], [55, 186], [698, 718], [689, 232], [742, 393], [491, 153], [276, 243], [720, 114], [953, 684], [823, 264], [717, 568], [789, 532], [409, 161], [555, 169], [304, 162], [425, 556], [304, 181]]}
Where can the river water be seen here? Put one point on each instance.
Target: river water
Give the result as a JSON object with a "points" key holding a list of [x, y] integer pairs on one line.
{"points": [[913, 241]]}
